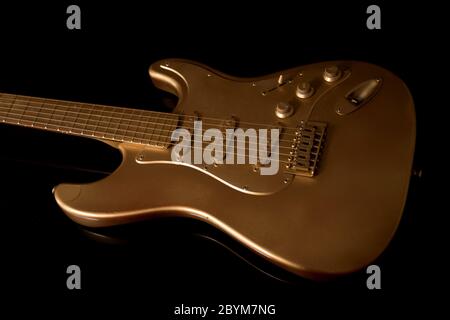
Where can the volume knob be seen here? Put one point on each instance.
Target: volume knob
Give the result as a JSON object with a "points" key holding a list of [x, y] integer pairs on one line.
{"points": [[304, 90], [283, 110], [331, 73]]}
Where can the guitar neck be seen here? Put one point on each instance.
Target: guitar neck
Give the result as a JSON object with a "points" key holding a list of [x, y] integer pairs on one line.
{"points": [[90, 120]]}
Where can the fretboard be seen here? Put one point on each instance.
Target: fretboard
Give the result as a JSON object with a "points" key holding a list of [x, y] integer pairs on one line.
{"points": [[91, 120]]}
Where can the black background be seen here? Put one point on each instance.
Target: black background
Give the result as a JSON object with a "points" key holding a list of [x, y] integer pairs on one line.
{"points": [[157, 265]]}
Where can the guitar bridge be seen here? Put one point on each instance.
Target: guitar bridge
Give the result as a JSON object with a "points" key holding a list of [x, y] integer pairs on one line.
{"points": [[306, 148]]}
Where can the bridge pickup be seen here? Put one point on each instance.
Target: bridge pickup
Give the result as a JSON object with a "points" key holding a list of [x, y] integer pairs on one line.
{"points": [[306, 148]]}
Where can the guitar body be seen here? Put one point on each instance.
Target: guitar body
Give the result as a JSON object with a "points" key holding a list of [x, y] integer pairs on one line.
{"points": [[334, 222]]}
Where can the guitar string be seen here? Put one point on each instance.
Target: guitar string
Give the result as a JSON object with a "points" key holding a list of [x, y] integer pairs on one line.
{"points": [[127, 132], [63, 130], [131, 114], [102, 118], [46, 101], [90, 115], [70, 130]]}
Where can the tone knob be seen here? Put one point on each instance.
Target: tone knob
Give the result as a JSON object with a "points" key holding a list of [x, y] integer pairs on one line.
{"points": [[283, 110], [331, 73], [304, 90]]}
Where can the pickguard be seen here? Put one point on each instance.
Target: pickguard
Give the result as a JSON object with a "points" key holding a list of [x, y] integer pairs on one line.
{"points": [[242, 177]]}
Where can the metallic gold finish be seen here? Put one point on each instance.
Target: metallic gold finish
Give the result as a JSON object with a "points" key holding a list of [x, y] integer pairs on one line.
{"points": [[336, 222]]}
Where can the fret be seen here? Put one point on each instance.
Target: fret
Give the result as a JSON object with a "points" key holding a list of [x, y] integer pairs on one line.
{"points": [[60, 116], [161, 127], [119, 120], [85, 130], [148, 127], [72, 129], [99, 121], [2, 107], [8, 111], [124, 125], [29, 115], [56, 117], [108, 131], [69, 119], [129, 125], [19, 121], [134, 125], [45, 115], [173, 126], [163, 131], [142, 125], [108, 122], [140, 138], [89, 121], [113, 125], [170, 125], [35, 122], [50, 125], [159, 132], [94, 119], [80, 121], [26, 118], [15, 113], [87, 125]]}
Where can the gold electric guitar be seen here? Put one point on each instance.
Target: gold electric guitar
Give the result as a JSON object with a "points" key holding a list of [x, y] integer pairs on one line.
{"points": [[346, 144]]}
